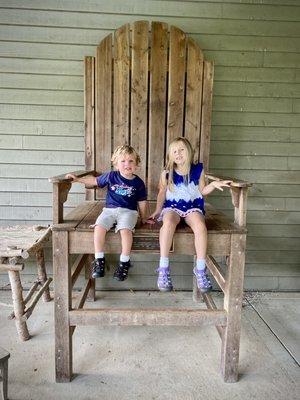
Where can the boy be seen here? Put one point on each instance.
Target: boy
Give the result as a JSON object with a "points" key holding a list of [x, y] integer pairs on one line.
{"points": [[126, 194]]}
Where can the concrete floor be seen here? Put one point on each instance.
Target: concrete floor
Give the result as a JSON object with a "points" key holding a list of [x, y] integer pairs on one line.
{"points": [[152, 363]]}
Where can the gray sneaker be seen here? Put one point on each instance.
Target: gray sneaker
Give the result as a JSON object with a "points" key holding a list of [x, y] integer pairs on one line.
{"points": [[164, 282], [203, 281]]}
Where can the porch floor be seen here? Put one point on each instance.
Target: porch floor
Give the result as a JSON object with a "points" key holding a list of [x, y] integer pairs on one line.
{"points": [[159, 362]]}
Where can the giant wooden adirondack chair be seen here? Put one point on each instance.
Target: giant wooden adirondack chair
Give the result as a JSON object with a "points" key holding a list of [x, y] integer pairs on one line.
{"points": [[147, 85]]}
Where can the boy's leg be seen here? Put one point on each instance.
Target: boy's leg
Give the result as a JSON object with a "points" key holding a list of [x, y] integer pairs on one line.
{"points": [[98, 265], [126, 241], [99, 238], [121, 272]]}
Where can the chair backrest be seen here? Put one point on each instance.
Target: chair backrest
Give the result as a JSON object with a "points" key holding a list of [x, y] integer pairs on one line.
{"points": [[147, 85]]}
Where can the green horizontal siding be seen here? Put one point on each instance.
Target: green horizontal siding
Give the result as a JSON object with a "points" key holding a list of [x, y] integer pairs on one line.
{"points": [[255, 128]]}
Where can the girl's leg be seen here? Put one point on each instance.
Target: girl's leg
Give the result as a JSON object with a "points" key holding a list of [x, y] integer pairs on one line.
{"points": [[170, 221], [196, 221]]}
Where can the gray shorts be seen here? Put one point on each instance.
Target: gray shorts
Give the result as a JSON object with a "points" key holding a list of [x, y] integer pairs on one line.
{"points": [[123, 218]]}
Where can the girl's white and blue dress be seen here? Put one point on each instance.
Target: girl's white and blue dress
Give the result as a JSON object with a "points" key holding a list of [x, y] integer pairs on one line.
{"points": [[185, 197]]}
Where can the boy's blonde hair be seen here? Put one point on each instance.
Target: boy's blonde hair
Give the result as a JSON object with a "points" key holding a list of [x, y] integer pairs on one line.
{"points": [[125, 149], [170, 165]]}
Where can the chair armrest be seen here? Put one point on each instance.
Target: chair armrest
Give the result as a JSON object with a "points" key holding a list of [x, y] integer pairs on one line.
{"points": [[239, 192], [235, 182], [61, 188], [62, 178]]}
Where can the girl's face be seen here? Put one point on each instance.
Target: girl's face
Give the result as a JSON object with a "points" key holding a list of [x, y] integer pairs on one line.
{"points": [[179, 153], [126, 165]]}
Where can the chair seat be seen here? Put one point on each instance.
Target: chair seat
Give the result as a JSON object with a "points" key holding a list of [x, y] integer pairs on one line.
{"points": [[85, 214], [79, 222]]}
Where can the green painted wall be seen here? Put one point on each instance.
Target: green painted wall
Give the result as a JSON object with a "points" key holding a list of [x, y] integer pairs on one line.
{"points": [[255, 135]]}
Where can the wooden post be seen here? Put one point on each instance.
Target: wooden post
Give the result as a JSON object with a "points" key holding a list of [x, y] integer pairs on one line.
{"points": [[18, 302], [233, 297], [196, 292], [42, 275], [62, 298], [88, 270]]}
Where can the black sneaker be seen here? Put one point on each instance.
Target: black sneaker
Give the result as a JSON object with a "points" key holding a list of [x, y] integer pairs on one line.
{"points": [[98, 268], [121, 273]]}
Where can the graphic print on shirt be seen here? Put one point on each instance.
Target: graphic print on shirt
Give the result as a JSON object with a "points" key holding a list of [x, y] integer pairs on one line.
{"points": [[123, 190]]}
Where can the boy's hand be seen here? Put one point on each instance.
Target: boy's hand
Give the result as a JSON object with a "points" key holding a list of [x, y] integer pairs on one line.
{"points": [[220, 184], [71, 176]]}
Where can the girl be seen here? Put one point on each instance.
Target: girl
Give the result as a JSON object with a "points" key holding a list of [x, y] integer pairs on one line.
{"points": [[181, 190]]}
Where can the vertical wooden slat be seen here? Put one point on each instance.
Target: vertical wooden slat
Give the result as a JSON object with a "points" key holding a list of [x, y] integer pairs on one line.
{"points": [[193, 103], [62, 299], [139, 92], [103, 114], [157, 105], [121, 85], [89, 118], [233, 298], [206, 113], [176, 83]]}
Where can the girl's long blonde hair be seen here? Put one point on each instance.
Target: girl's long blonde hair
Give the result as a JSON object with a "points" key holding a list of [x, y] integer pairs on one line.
{"points": [[170, 165]]}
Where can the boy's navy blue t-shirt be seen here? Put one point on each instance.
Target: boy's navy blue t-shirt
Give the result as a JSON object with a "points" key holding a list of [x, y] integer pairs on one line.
{"points": [[122, 192]]}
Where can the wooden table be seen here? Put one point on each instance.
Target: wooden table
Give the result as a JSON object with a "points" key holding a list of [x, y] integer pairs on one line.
{"points": [[17, 243]]}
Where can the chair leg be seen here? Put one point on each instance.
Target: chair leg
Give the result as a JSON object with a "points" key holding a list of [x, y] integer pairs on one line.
{"points": [[62, 298], [197, 298], [4, 375], [233, 297], [18, 303], [42, 274], [92, 292]]}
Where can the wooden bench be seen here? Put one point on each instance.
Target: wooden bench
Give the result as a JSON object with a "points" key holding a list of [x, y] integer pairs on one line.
{"points": [[148, 84], [4, 356], [17, 243]]}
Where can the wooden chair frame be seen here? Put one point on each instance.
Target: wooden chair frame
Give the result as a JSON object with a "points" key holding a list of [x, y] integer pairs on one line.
{"points": [[147, 85]]}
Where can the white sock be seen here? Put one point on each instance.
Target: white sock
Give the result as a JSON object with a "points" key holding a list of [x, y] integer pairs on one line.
{"points": [[100, 254], [124, 258], [200, 265], [164, 262]]}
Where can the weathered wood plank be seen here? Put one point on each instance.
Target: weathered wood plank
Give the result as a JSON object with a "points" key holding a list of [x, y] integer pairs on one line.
{"points": [[121, 86], [62, 296], [139, 92], [103, 111], [193, 105], [176, 84], [173, 317], [206, 113], [157, 105], [89, 119]]}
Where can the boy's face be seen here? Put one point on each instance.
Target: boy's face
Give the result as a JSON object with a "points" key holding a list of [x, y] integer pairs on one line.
{"points": [[126, 165]]}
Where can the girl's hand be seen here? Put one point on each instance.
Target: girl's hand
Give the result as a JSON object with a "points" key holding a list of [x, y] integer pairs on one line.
{"points": [[148, 221], [155, 214], [220, 184]]}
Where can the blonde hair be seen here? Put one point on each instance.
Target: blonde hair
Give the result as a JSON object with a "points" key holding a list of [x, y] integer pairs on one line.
{"points": [[125, 149], [170, 165]]}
